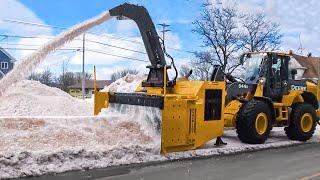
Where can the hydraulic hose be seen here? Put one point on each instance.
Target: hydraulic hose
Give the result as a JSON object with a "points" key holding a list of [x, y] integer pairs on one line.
{"points": [[172, 61]]}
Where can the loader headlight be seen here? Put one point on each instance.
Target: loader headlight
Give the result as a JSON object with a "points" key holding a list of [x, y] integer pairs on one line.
{"points": [[262, 80]]}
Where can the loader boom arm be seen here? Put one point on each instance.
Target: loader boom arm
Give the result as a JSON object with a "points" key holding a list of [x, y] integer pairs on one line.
{"points": [[150, 38]]}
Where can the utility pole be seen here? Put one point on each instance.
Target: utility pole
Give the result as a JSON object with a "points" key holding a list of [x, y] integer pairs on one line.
{"points": [[164, 30], [63, 76], [83, 71], [318, 82], [300, 49]]}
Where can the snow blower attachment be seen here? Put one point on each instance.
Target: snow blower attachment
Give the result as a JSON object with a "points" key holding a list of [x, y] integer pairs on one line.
{"points": [[192, 111]]}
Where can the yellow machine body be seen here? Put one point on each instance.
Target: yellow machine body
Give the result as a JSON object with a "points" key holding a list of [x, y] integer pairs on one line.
{"points": [[195, 112], [281, 108], [184, 123]]}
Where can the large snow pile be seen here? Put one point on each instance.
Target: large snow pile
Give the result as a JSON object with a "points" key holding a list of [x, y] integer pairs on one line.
{"points": [[31, 98], [36, 146]]}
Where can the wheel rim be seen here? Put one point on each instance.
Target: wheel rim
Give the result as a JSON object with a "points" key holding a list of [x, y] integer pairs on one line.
{"points": [[306, 122], [261, 123]]}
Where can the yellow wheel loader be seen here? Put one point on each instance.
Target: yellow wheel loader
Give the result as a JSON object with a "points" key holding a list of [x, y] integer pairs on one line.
{"points": [[195, 112], [271, 95]]}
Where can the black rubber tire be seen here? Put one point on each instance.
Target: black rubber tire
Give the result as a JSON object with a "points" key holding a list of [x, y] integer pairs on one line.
{"points": [[245, 123], [294, 131]]}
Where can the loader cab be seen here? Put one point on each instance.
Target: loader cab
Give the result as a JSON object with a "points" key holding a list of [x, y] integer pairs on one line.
{"points": [[254, 66], [271, 69], [278, 76]]}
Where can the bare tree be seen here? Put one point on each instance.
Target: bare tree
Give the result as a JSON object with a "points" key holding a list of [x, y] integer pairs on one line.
{"points": [[226, 33], [65, 80], [202, 66], [218, 29], [78, 76], [119, 74], [259, 33], [46, 77], [184, 70], [35, 76]]}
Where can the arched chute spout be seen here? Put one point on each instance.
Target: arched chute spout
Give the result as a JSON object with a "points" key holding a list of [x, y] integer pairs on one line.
{"points": [[150, 38]]}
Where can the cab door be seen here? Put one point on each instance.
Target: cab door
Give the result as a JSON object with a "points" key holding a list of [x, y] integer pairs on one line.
{"points": [[279, 77]]}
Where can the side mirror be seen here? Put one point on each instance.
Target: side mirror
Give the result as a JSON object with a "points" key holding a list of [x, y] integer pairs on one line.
{"points": [[243, 56], [293, 73], [189, 74]]}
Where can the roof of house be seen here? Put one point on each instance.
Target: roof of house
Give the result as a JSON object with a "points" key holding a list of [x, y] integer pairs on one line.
{"points": [[311, 63], [89, 84], [12, 59]]}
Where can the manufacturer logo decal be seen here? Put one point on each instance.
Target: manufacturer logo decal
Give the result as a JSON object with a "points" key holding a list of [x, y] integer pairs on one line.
{"points": [[243, 86], [298, 88]]}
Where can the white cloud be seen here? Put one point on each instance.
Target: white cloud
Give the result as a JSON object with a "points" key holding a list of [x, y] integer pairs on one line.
{"points": [[172, 40], [298, 17], [126, 27], [13, 9], [295, 17]]}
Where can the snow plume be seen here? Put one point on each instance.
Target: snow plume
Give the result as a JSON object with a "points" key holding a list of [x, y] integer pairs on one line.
{"points": [[29, 63], [149, 118]]}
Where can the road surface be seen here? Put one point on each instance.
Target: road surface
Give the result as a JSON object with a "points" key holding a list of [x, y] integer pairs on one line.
{"points": [[300, 162]]}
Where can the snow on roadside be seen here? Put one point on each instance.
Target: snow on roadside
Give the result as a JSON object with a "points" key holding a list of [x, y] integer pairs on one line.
{"points": [[36, 146], [32, 146], [31, 98]]}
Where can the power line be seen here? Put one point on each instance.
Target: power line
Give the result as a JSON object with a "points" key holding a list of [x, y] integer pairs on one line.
{"points": [[31, 45], [119, 38], [92, 41], [33, 24], [34, 49], [125, 57], [90, 50], [70, 48], [64, 28], [106, 44], [4, 37]]}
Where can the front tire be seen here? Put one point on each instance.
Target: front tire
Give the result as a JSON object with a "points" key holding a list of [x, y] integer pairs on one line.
{"points": [[253, 122], [302, 122]]}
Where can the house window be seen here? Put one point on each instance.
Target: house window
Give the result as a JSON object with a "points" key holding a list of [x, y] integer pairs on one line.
{"points": [[4, 65]]}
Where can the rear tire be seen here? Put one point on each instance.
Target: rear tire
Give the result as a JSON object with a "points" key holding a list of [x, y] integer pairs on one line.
{"points": [[302, 122], [253, 122]]}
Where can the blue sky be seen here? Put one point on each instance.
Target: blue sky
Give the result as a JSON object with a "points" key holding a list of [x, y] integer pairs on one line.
{"points": [[294, 18], [179, 14]]}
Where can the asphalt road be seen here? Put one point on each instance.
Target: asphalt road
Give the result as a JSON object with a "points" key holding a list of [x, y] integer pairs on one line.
{"points": [[300, 162]]}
